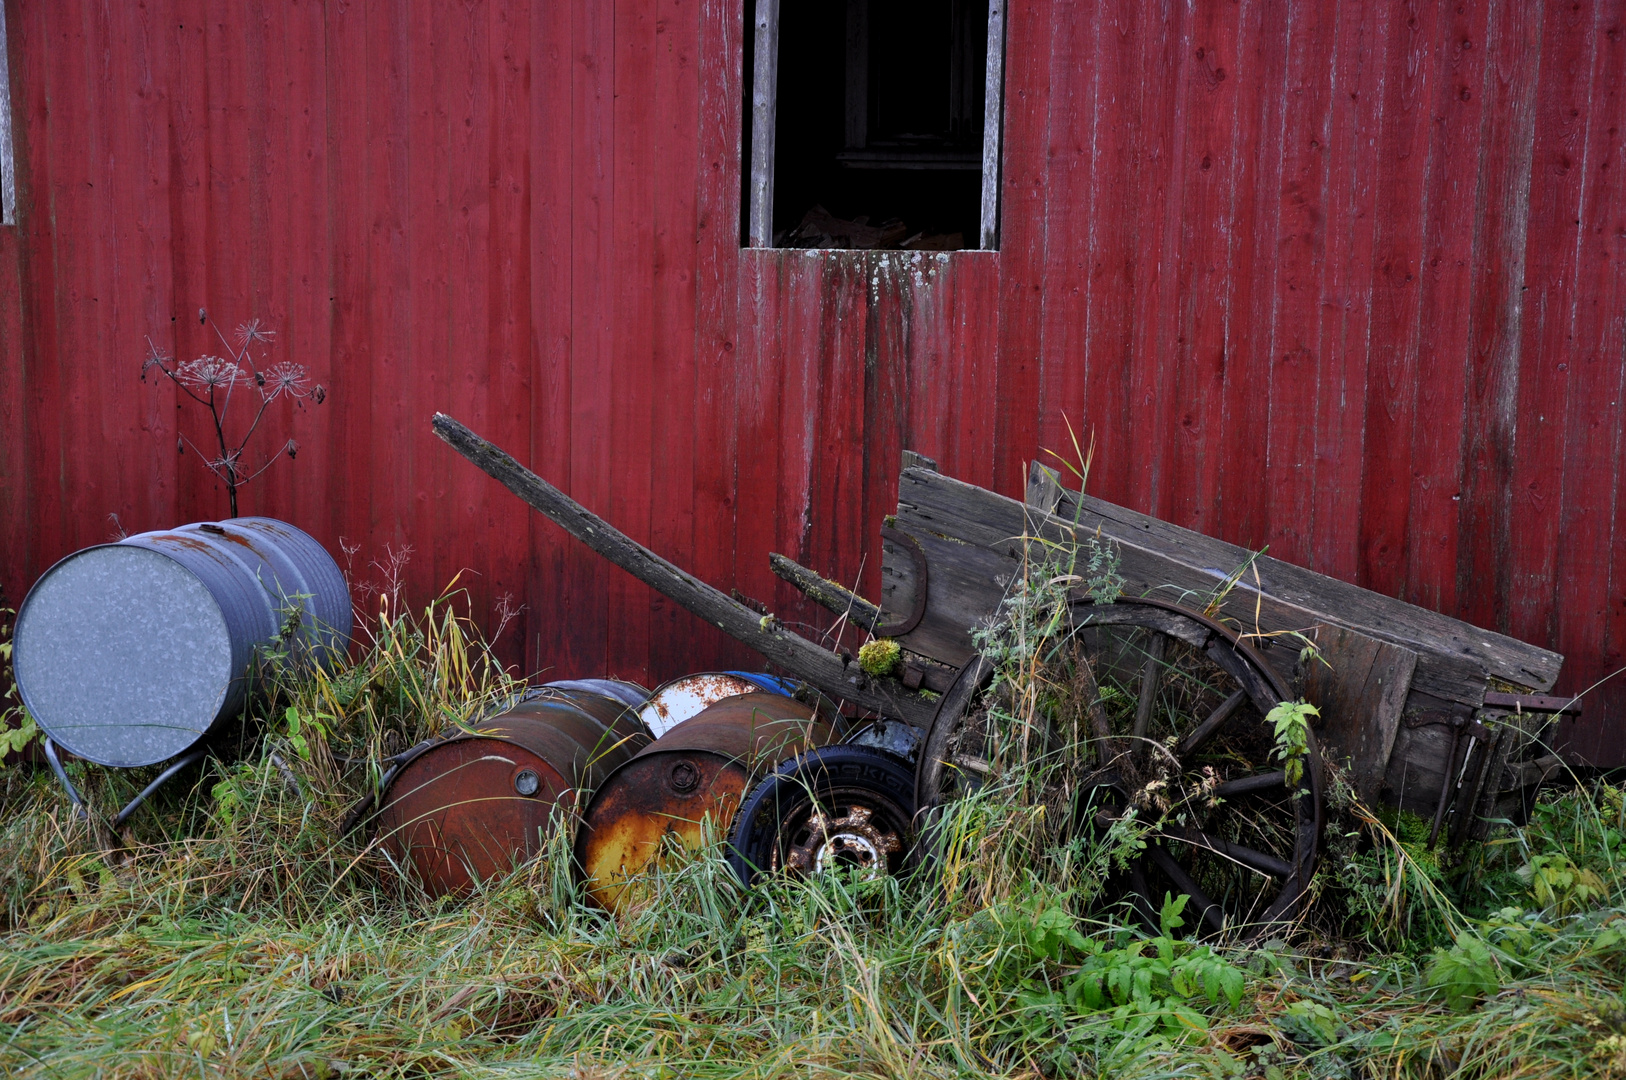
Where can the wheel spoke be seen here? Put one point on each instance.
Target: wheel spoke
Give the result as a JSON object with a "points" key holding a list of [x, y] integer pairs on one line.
{"points": [[1254, 860], [1139, 891], [1210, 911], [1256, 782], [1150, 675], [1205, 730]]}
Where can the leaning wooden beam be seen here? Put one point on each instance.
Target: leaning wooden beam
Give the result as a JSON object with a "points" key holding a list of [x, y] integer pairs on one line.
{"points": [[826, 593], [826, 670]]}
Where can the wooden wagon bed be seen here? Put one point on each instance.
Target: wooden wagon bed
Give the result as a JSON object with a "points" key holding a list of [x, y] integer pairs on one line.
{"points": [[1422, 711]]}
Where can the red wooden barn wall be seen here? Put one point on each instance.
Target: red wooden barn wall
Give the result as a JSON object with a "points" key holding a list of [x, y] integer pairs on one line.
{"points": [[1346, 279]]}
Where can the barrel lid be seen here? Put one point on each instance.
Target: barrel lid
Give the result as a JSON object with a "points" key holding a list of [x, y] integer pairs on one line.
{"points": [[122, 655]]}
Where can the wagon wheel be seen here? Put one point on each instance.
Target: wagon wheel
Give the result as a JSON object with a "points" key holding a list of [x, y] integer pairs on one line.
{"points": [[1177, 735]]}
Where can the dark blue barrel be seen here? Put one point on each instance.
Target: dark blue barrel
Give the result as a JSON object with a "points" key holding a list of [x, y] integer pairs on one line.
{"points": [[128, 654]]}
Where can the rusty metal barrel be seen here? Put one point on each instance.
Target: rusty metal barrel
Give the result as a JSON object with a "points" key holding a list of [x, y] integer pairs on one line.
{"points": [[698, 770], [687, 696], [474, 804], [128, 654]]}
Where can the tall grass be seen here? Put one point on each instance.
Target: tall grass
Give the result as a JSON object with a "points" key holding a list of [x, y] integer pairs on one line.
{"points": [[230, 932]]}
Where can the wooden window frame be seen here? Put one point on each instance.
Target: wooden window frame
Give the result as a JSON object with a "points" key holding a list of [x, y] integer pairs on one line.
{"points": [[8, 170], [764, 117]]}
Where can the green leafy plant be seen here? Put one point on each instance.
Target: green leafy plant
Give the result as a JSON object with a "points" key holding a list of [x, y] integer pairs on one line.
{"points": [[1291, 723], [1311, 1024], [1464, 973], [1556, 882], [17, 728]]}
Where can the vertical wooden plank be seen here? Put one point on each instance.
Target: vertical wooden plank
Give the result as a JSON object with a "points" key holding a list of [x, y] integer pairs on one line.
{"points": [[1443, 308], [387, 478], [1501, 213], [1401, 181], [508, 364], [1112, 250], [719, 287], [1346, 300], [71, 402], [834, 405], [901, 305], [672, 385], [1290, 461], [764, 119], [803, 339], [759, 391], [931, 365], [1165, 52], [1022, 239], [592, 314], [8, 157], [631, 268], [1254, 216], [1068, 223], [347, 495], [435, 88], [1591, 562], [992, 125], [549, 591], [976, 303], [1550, 292], [1196, 440], [16, 524], [132, 302]]}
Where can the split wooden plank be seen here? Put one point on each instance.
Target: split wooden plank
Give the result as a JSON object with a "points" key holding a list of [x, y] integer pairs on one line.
{"points": [[837, 676]]}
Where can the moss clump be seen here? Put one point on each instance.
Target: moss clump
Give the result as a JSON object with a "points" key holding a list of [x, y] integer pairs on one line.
{"points": [[879, 657]]}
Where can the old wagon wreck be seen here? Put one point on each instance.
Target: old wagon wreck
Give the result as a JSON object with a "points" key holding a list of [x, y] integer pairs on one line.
{"points": [[845, 762]]}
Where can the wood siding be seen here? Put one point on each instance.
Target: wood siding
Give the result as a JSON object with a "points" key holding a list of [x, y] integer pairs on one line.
{"points": [[1344, 279]]}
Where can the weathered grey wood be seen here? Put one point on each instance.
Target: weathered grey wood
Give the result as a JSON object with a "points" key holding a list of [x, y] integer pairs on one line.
{"points": [[913, 460], [800, 657], [1421, 756], [1154, 557], [1361, 690], [967, 584], [764, 119], [1044, 488], [826, 593], [8, 163], [992, 116], [1335, 601]]}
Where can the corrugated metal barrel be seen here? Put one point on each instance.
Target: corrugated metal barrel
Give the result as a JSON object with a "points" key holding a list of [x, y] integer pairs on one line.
{"points": [[477, 803], [128, 654], [700, 769]]}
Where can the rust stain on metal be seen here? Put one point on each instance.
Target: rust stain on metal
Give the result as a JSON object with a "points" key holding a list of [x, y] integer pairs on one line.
{"points": [[478, 803], [658, 803]]}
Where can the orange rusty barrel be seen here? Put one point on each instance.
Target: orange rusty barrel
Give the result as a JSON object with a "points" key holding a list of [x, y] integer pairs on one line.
{"points": [[700, 769], [472, 805]]}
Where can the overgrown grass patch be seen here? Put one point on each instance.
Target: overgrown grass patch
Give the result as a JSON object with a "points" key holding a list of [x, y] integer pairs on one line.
{"points": [[231, 932]]}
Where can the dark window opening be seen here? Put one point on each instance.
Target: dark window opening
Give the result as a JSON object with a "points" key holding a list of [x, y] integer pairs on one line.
{"points": [[873, 123]]}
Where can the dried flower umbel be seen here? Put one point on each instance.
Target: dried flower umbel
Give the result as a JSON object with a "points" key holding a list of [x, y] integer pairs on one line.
{"points": [[213, 381]]}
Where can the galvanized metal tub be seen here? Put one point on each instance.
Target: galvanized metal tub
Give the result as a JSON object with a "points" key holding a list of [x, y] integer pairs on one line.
{"points": [[128, 654], [475, 804], [699, 770]]}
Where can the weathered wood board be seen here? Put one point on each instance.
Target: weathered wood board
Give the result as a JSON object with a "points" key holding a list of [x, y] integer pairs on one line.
{"points": [[1453, 658], [1361, 688], [1336, 601]]}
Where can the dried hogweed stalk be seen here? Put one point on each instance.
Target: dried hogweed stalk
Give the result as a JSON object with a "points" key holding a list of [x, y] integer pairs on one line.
{"points": [[212, 381]]}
